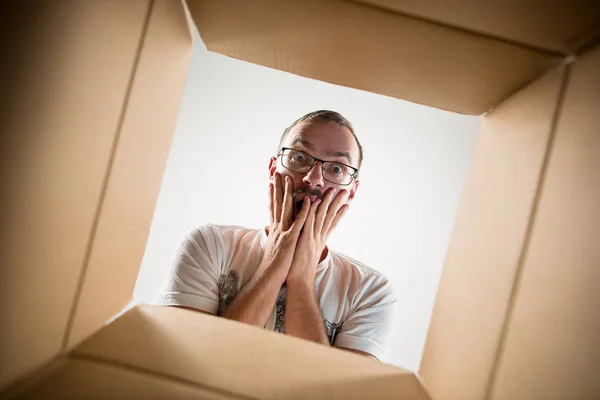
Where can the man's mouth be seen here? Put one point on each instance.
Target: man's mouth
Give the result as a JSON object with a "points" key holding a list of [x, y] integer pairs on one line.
{"points": [[297, 207], [299, 201]]}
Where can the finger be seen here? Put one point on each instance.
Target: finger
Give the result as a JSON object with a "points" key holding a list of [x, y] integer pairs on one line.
{"points": [[321, 214], [332, 212], [278, 197], [309, 225], [338, 217], [288, 204], [271, 202], [301, 217]]}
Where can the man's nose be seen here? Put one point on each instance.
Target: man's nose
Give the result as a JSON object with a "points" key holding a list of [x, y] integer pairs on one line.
{"points": [[314, 177]]}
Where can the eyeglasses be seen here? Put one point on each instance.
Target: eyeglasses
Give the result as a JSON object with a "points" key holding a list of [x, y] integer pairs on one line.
{"points": [[334, 172]]}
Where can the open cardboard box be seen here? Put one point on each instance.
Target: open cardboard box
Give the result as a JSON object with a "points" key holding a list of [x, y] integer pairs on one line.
{"points": [[92, 91]]}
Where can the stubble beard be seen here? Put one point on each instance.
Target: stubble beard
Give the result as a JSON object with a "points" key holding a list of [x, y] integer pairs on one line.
{"points": [[298, 199]]}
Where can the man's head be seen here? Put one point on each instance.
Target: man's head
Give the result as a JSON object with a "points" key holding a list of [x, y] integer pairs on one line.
{"points": [[322, 135]]}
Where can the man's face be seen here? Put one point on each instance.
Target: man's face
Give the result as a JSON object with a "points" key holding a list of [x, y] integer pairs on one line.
{"points": [[323, 140]]}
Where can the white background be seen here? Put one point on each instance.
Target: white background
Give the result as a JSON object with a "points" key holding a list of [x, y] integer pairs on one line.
{"points": [[416, 159]]}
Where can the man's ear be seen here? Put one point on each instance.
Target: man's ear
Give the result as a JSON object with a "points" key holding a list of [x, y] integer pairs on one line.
{"points": [[272, 166], [353, 190]]}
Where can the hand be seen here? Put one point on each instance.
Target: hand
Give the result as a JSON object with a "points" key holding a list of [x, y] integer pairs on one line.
{"points": [[322, 219], [255, 300], [283, 233]]}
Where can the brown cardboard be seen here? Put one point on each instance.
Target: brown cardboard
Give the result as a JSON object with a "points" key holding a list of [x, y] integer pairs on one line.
{"points": [[178, 352], [542, 341], [93, 90], [85, 379], [561, 26], [58, 131], [487, 241], [354, 45], [87, 138], [136, 172], [552, 344], [241, 359]]}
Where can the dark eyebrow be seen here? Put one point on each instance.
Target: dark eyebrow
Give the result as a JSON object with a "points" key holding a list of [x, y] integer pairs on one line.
{"points": [[332, 153], [340, 154]]}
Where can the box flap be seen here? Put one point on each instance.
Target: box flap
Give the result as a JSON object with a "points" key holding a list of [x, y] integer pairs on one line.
{"points": [[94, 91], [560, 26], [64, 90], [367, 48], [138, 163], [86, 379], [487, 241], [242, 359], [552, 343]]}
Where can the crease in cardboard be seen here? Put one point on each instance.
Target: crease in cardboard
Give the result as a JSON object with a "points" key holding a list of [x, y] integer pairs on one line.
{"points": [[528, 232], [21, 386], [582, 27], [558, 64], [470, 79], [100, 204], [463, 29], [153, 373]]}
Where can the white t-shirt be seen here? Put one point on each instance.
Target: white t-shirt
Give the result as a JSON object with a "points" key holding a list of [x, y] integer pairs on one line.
{"points": [[213, 262]]}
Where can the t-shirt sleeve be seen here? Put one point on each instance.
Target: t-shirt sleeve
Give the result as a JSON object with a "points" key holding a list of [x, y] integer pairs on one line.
{"points": [[369, 327], [194, 274]]}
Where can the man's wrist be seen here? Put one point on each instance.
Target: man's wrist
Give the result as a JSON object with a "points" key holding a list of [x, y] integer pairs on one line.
{"points": [[274, 270], [303, 283]]}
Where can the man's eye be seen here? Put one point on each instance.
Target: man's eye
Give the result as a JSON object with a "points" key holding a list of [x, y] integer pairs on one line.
{"points": [[299, 158], [336, 169]]}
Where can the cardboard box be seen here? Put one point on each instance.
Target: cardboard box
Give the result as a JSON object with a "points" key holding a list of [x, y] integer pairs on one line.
{"points": [[92, 91]]}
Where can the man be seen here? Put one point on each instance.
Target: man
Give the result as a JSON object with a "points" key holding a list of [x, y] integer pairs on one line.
{"points": [[284, 278]]}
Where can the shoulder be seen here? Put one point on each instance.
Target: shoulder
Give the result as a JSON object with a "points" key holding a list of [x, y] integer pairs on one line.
{"points": [[214, 244], [356, 269], [222, 231], [364, 281]]}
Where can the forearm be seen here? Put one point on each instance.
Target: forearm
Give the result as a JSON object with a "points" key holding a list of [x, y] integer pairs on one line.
{"points": [[254, 303], [303, 316]]}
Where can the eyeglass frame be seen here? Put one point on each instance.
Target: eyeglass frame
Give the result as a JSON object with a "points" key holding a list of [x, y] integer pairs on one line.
{"points": [[322, 169]]}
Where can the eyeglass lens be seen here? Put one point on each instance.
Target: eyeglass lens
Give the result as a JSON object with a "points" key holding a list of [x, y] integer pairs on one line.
{"points": [[301, 162]]}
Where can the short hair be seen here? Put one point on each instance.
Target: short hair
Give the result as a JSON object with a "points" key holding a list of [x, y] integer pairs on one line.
{"points": [[325, 115]]}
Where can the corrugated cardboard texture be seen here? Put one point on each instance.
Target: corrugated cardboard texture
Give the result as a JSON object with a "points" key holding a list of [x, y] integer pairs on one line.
{"points": [[367, 48], [65, 71], [86, 379], [136, 172], [231, 357], [487, 242], [560, 26], [552, 347]]}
